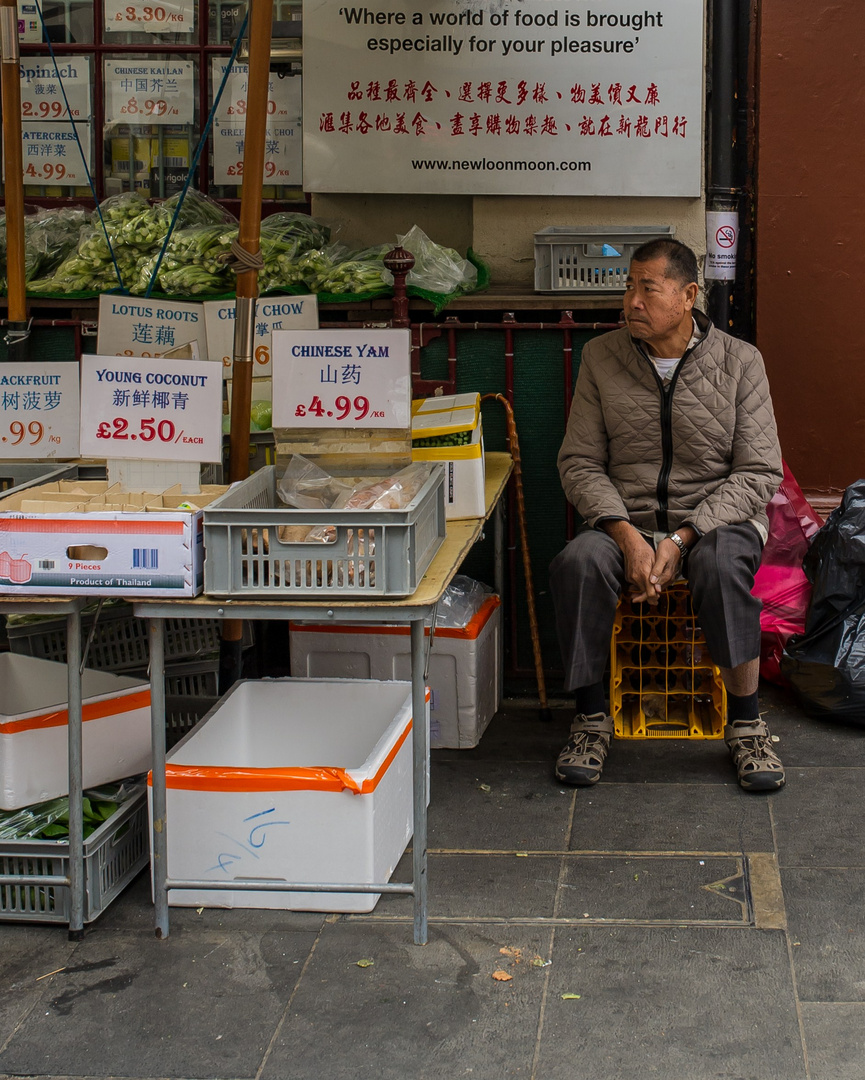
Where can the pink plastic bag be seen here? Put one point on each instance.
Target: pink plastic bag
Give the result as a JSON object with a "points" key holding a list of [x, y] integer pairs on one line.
{"points": [[780, 581]]}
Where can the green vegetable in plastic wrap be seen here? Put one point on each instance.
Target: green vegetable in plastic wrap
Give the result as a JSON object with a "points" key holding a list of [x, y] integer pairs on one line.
{"points": [[456, 438]]}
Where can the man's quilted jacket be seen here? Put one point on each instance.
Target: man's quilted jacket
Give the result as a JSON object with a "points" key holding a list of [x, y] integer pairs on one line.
{"points": [[701, 449]]}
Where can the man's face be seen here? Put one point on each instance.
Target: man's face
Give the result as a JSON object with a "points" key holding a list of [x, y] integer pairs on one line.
{"points": [[657, 307]]}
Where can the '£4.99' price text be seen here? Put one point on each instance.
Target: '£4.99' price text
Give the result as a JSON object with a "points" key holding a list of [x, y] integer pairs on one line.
{"points": [[148, 431], [342, 408]]}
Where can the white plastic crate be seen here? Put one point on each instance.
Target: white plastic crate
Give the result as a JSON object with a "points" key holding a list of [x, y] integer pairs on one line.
{"points": [[465, 673], [374, 553], [113, 855], [34, 737], [296, 780], [581, 259]]}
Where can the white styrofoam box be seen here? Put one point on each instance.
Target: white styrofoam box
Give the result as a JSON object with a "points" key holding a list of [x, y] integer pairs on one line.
{"points": [[34, 729], [296, 780], [465, 673]]}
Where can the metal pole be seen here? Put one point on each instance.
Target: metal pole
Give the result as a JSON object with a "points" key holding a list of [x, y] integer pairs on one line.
{"points": [[248, 252], [76, 793], [10, 93], [159, 840], [420, 744]]}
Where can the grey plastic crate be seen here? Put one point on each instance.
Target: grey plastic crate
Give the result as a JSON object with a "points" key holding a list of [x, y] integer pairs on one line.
{"points": [[571, 259], [191, 691], [113, 855], [375, 553], [120, 640]]}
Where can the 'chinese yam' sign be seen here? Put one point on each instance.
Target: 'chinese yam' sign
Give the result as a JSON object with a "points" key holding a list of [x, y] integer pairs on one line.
{"points": [[593, 97], [341, 379], [152, 408]]}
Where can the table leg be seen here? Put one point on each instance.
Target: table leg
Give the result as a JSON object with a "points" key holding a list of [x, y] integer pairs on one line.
{"points": [[499, 549], [76, 794], [420, 742], [159, 839]]}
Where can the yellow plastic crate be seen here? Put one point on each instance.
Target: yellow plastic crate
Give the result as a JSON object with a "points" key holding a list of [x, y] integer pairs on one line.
{"points": [[663, 683]]}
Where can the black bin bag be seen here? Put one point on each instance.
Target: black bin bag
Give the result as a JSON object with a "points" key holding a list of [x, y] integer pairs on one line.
{"points": [[826, 664]]}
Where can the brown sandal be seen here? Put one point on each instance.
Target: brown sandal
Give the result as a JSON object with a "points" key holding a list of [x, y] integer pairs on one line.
{"points": [[584, 754], [757, 765]]}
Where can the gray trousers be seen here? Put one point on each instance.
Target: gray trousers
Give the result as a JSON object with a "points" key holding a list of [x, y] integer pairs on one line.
{"points": [[588, 576]]}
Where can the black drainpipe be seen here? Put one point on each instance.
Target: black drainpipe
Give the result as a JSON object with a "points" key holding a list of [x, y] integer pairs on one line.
{"points": [[722, 190]]}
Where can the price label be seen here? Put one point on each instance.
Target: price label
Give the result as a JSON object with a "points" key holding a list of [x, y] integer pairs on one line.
{"points": [[149, 91], [282, 163], [341, 378], [152, 408], [165, 17], [50, 153], [42, 96], [138, 326], [271, 313], [39, 410]]}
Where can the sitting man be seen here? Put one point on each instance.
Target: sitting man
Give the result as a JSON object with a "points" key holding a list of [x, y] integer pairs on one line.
{"points": [[670, 455]]}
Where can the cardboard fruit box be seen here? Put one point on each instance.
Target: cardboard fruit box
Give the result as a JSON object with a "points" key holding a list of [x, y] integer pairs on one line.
{"points": [[448, 429]]}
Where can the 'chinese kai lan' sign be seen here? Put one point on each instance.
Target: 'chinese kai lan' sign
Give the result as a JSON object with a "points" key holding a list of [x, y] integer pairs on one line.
{"points": [[560, 97]]}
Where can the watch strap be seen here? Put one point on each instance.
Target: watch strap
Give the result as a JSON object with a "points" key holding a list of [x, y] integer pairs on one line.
{"points": [[679, 542]]}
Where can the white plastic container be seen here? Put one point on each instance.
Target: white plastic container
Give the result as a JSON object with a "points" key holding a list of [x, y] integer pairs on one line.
{"points": [[296, 780], [465, 673], [34, 729]]}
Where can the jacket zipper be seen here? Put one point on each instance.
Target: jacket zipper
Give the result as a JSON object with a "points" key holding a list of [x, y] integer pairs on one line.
{"points": [[662, 489]]}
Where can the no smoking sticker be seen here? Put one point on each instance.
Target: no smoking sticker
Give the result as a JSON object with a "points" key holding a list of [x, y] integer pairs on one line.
{"points": [[726, 236]]}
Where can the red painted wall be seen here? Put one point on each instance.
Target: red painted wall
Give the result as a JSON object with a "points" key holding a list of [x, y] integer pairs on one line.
{"points": [[810, 232]]}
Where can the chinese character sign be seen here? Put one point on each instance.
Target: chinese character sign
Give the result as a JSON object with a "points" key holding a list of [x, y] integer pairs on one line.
{"points": [[151, 408], [50, 92], [503, 97], [55, 152], [137, 326], [38, 410], [271, 313], [341, 379], [149, 91]]}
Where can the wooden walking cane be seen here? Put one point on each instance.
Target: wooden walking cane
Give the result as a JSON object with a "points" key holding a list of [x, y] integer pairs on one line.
{"points": [[514, 447]]}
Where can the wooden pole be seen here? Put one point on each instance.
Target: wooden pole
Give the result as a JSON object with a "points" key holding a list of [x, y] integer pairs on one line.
{"points": [[249, 260], [10, 93]]}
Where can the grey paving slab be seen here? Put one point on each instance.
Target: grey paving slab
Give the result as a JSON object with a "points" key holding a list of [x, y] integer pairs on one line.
{"points": [[196, 1005], [824, 917], [670, 817], [487, 886], [818, 818], [651, 888], [418, 1012], [669, 761], [515, 734], [496, 805], [26, 954], [689, 1004], [835, 1038], [804, 741]]}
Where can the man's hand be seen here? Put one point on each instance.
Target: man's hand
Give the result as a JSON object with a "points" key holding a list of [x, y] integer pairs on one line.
{"points": [[648, 571]]}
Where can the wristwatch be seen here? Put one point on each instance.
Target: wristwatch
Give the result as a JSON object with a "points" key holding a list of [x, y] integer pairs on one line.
{"points": [[679, 542]]}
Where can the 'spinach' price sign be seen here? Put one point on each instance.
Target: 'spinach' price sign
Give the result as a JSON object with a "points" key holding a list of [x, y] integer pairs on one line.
{"points": [[38, 410], [152, 408], [341, 379]]}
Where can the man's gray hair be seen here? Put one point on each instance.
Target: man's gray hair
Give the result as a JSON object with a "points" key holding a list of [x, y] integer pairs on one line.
{"points": [[681, 261]]}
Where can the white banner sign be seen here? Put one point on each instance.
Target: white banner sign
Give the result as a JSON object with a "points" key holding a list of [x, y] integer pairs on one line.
{"points": [[51, 154], [271, 313], [283, 140], [41, 93], [162, 17], [164, 410], [39, 410], [494, 97], [138, 326], [341, 379], [149, 91]]}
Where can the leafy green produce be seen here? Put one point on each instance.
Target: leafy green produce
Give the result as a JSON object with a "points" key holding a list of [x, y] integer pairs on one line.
{"points": [[50, 820], [456, 438]]}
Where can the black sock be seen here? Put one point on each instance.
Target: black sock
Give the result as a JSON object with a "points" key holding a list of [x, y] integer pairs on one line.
{"points": [[742, 708], [591, 699]]}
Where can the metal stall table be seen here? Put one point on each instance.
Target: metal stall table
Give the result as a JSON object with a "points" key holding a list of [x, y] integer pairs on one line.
{"points": [[414, 610], [74, 880]]}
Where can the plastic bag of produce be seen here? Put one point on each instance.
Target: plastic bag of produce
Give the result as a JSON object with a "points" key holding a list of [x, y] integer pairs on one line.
{"points": [[308, 487], [436, 269], [780, 581], [826, 664]]}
